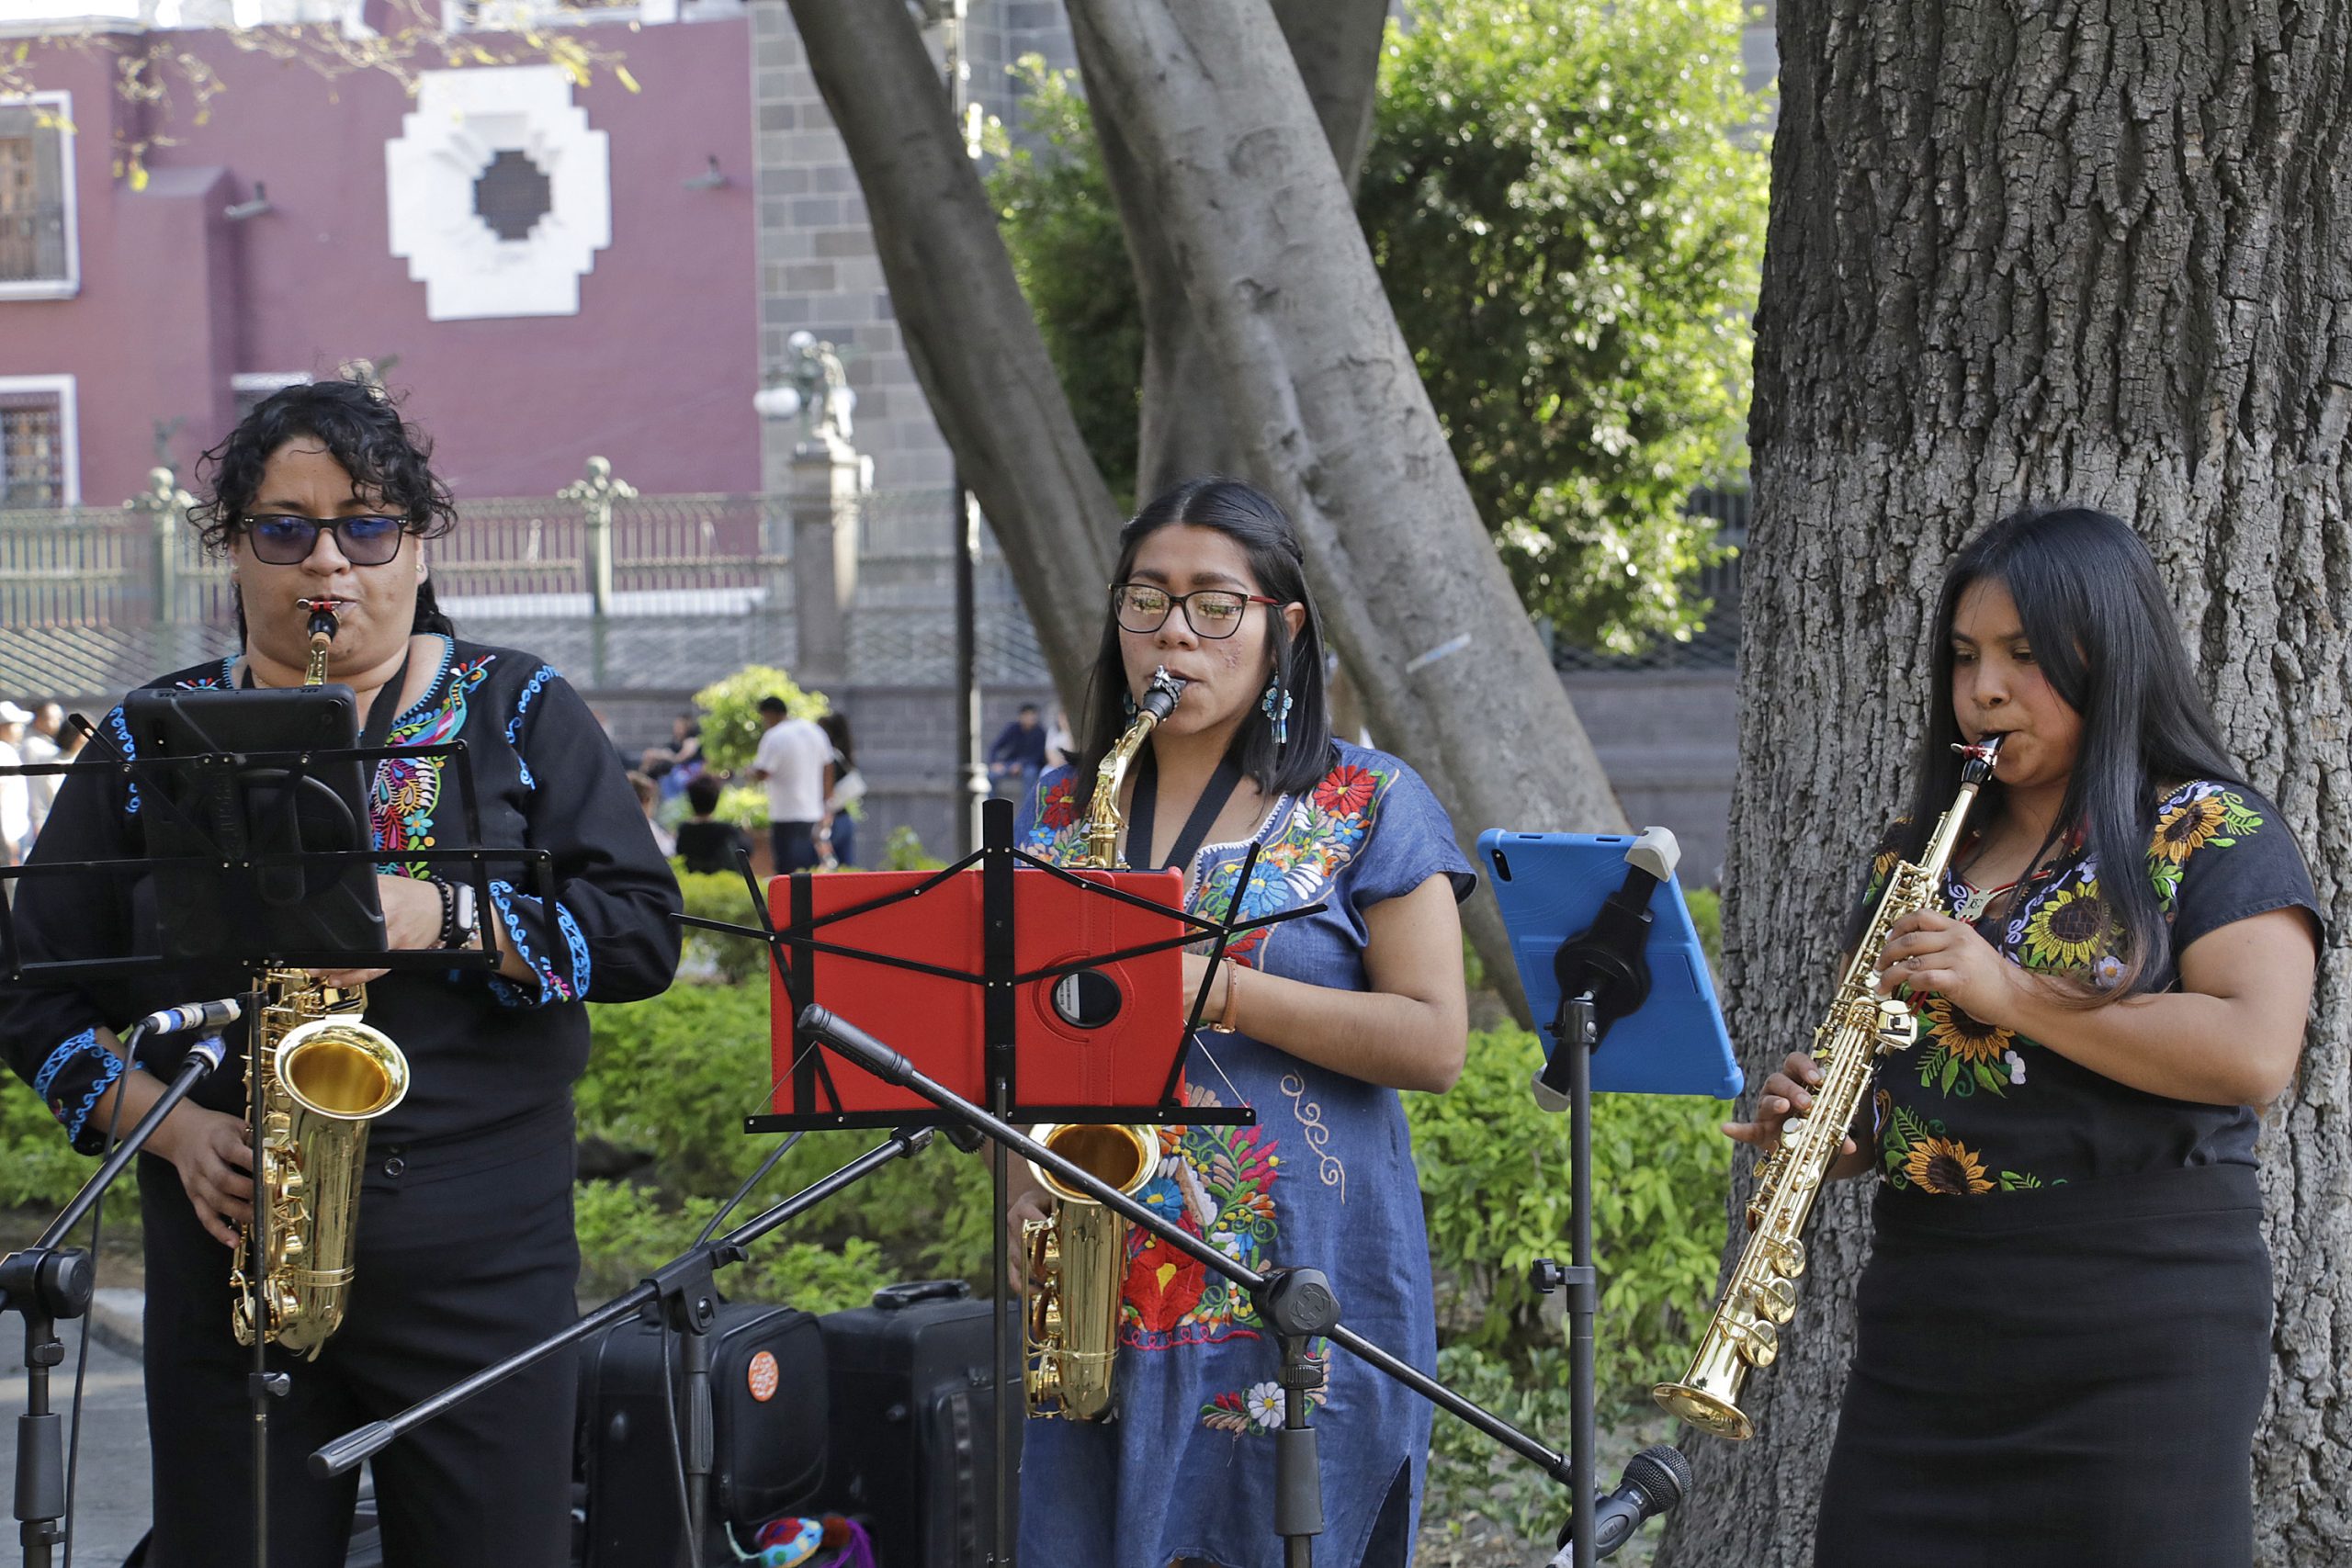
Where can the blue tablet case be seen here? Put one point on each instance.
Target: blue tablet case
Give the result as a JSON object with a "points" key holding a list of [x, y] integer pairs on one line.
{"points": [[1550, 887]]}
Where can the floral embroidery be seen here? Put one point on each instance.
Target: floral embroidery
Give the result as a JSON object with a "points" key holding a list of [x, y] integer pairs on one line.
{"points": [[1963, 1054], [2191, 818], [1057, 806], [1259, 1409], [1346, 791], [1923, 1154], [552, 988], [407, 793], [1215, 1183]]}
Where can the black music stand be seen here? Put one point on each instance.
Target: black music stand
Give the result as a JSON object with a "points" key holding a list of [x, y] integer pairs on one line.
{"points": [[260, 797], [792, 947]]}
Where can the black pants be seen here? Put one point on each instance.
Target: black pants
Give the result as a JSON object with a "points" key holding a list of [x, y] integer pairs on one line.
{"points": [[792, 846], [464, 1258]]}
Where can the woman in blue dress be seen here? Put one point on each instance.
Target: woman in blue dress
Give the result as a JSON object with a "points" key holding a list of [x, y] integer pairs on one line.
{"points": [[1317, 1022]]}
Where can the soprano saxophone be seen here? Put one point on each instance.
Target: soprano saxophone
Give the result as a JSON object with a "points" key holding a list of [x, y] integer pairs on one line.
{"points": [[1077, 1259], [1762, 1293], [325, 1075]]}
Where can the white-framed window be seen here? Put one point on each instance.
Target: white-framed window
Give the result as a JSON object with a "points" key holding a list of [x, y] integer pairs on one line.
{"points": [[40, 453], [40, 253], [249, 388]]}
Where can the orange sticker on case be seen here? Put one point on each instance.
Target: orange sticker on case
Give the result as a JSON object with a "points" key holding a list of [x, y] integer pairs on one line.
{"points": [[761, 1376]]}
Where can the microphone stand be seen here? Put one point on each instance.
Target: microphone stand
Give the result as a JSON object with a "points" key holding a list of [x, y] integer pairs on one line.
{"points": [[49, 1283], [1297, 1304]]}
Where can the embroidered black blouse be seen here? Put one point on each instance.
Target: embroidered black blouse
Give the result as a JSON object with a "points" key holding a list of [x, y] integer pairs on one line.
{"points": [[482, 1050], [1972, 1109]]}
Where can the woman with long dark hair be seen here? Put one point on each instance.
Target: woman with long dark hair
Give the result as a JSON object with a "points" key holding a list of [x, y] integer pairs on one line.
{"points": [[2063, 1336], [1316, 1022], [324, 496]]}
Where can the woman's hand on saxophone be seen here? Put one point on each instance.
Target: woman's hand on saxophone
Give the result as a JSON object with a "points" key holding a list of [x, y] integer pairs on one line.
{"points": [[412, 923], [1027, 1200], [1933, 952], [209, 1149], [1787, 1095]]}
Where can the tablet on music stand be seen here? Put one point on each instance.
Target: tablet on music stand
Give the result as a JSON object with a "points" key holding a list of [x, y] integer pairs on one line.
{"points": [[239, 792], [1550, 885]]}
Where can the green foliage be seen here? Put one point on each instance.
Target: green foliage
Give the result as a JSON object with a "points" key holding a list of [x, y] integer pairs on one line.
{"points": [[1571, 238], [728, 960], [746, 806], [730, 710], [1054, 207], [905, 852], [1495, 1174], [673, 1076], [626, 1233], [1707, 918], [39, 1169]]}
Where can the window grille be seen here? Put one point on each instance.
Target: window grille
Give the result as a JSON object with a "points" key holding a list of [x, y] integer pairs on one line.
{"points": [[32, 449], [32, 196]]}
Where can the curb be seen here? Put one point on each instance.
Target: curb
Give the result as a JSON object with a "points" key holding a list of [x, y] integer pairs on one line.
{"points": [[116, 1319]]}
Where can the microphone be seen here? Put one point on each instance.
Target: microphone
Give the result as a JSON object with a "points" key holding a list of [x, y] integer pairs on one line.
{"points": [[1605, 959], [1655, 1481], [196, 1015]]}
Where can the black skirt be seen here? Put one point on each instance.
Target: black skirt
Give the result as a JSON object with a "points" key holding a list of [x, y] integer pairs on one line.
{"points": [[2065, 1377]]}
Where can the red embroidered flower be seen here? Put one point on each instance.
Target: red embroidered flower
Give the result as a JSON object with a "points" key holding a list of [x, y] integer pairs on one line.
{"points": [[1346, 791], [1056, 807], [1163, 1285]]}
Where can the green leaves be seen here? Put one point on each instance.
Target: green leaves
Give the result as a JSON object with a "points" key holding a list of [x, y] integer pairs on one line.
{"points": [[1570, 227]]}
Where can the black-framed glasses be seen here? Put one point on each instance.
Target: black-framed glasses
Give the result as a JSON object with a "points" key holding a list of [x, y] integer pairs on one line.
{"points": [[280, 540], [1212, 613]]}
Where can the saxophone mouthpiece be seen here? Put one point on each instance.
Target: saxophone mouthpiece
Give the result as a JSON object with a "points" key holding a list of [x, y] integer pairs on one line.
{"points": [[322, 617], [1161, 697], [1977, 758]]}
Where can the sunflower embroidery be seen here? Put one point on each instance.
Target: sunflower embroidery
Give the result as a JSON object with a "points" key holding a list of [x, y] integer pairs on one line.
{"points": [[1964, 1053], [2186, 825], [1947, 1166], [2068, 929]]}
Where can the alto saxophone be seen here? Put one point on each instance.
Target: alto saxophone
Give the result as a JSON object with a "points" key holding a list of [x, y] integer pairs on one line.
{"points": [[1077, 1259], [1861, 1026], [326, 1074]]}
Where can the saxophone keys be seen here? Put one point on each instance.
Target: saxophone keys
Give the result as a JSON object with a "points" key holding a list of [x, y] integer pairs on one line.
{"points": [[1775, 1298], [1787, 1258], [1758, 1342]]}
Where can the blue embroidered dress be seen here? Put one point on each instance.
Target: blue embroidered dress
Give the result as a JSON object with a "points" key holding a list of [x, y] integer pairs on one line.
{"points": [[1325, 1181]]}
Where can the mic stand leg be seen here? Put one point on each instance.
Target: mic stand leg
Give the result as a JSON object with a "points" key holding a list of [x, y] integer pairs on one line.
{"points": [[688, 1299]]}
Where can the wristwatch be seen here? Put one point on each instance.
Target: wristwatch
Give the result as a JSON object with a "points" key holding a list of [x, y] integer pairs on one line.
{"points": [[461, 916]]}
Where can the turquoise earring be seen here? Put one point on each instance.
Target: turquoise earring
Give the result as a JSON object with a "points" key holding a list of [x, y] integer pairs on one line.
{"points": [[1275, 705]]}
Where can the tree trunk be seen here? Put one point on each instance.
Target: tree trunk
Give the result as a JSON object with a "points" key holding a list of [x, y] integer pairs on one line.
{"points": [[974, 346], [1186, 430], [1319, 384], [2101, 258]]}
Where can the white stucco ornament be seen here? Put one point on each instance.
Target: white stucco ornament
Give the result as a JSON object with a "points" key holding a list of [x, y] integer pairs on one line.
{"points": [[463, 120]]}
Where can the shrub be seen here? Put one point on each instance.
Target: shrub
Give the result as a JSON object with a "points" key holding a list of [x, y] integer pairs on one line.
{"points": [[673, 1076], [730, 710], [1495, 1174]]}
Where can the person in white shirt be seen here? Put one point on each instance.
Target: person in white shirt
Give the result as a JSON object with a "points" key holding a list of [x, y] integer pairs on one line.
{"points": [[38, 746], [791, 761], [16, 793]]}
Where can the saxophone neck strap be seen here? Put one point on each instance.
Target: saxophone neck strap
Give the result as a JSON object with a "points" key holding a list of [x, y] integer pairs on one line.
{"points": [[1205, 811]]}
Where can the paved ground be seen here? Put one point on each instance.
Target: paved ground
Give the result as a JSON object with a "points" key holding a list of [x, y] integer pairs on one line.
{"points": [[111, 1492]]}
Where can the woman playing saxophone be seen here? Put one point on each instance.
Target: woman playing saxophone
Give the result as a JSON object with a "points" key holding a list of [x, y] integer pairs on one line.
{"points": [[2068, 1279], [324, 501], [1316, 1022]]}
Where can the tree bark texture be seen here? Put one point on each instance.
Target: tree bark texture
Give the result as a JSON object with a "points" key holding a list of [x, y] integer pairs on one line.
{"points": [[1185, 431], [2100, 254], [1319, 384], [974, 346]]}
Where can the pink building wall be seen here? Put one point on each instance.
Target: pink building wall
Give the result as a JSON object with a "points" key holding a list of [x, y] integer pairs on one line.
{"points": [[656, 371]]}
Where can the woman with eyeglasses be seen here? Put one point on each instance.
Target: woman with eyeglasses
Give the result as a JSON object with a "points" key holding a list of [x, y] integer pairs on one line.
{"points": [[323, 498], [1316, 1022]]}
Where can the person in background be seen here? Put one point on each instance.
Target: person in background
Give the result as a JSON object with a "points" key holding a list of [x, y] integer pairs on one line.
{"points": [[648, 799], [705, 843], [844, 785], [15, 792], [1017, 755], [39, 747], [791, 761]]}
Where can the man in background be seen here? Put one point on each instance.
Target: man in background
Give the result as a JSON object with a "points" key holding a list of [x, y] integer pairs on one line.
{"points": [[791, 763], [39, 747], [1017, 755]]}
